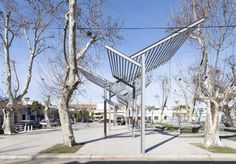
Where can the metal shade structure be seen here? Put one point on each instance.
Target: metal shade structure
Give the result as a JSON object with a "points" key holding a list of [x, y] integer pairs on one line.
{"points": [[107, 85], [121, 100], [128, 69], [113, 87], [131, 95], [112, 103]]}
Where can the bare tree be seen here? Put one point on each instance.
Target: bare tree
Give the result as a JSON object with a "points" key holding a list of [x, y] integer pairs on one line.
{"points": [[165, 91], [32, 25], [183, 87], [212, 42], [75, 56], [46, 109]]}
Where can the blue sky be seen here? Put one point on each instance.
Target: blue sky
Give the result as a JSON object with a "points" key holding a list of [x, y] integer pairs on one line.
{"points": [[141, 13], [134, 13]]}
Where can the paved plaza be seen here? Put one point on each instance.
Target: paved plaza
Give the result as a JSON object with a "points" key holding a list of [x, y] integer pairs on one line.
{"points": [[118, 144]]}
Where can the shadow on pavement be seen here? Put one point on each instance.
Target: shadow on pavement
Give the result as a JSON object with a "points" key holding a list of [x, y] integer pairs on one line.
{"points": [[102, 138], [121, 135], [159, 144], [129, 134]]}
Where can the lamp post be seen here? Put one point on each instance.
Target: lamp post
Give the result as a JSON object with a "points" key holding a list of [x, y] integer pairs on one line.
{"points": [[26, 112]]}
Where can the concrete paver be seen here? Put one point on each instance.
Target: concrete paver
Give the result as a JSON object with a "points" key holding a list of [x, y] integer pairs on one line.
{"points": [[118, 144]]}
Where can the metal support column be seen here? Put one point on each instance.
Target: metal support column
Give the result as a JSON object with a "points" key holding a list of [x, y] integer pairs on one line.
{"points": [[127, 116], [134, 118], [134, 111], [143, 107], [109, 112], [115, 115], [105, 112]]}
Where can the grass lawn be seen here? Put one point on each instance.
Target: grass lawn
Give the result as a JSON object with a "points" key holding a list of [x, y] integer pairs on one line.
{"points": [[61, 148], [219, 149]]}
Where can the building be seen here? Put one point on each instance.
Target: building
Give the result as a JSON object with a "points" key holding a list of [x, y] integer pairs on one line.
{"points": [[120, 112], [23, 112], [78, 111], [84, 106]]}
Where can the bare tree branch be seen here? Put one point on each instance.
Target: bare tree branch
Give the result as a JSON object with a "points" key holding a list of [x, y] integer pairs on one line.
{"points": [[64, 38], [3, 40], [12, 36], [27, 39], [30, 65], [24, 90], [7, 57], [83, 51], [16, 77], [229, 94]]}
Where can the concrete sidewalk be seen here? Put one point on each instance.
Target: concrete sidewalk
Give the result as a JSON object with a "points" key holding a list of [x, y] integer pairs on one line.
{"points": [[120, 142], [119, 145]]}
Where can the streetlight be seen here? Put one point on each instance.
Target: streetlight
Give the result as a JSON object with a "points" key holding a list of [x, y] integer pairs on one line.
{"points": [[26, 112]]}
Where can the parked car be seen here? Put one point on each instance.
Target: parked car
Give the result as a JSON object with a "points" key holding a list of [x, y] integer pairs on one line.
{"points": [[52, 123], [120, 120], [19, 126]]}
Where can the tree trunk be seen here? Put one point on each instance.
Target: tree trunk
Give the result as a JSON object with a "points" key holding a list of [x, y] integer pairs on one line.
{"points": [[162, 111], [190, 114], [46, 117], [71, 79], [67, 132], [228, 117], [189, 110], [212, 126], [192, 108], [8, 123], [46, 109], [75, 121]]}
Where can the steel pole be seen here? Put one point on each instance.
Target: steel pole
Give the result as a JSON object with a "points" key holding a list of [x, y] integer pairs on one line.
{"points": [[134, 112], [105, 112], [109, 112], [127, 116], [134, 117], [26, 117], [143, 107], [115, 115]]}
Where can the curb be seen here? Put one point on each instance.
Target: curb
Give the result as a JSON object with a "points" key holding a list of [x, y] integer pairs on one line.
{"points": [[96, 157]]}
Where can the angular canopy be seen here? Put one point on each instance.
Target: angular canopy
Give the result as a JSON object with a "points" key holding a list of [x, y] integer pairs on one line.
{"points": [[114, 87], [127, 69]]}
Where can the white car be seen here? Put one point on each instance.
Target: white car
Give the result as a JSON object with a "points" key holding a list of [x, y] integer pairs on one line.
{"points": [[52, 123]]}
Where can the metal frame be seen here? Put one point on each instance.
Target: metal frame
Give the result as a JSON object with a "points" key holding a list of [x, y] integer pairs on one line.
{"points": [[127, 69], [107, 85], [113, 87], [157, 54]]}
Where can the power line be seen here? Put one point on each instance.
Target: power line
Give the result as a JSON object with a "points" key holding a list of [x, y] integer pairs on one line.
{"points": [[146, 28], [140, 28]]}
